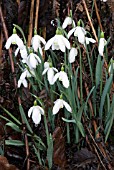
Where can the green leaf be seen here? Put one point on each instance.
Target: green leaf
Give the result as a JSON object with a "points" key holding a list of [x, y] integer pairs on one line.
{"points": [[81, 128], [110, 120], [14, 126], [50, 152], [105, 91], [14, 142], [13, 117], [24, 118], [68, 121], [98, 70]]}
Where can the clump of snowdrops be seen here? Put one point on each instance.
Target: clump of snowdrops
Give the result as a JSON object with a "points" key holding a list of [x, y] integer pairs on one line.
{"points": [[64, 84]]}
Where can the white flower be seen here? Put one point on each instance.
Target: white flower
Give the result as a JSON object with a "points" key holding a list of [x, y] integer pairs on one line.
{"points": [[60, 103], [102, 43], [73, 53], [33, 60], [68, 21], [50, 72], [104, 0], [87, 40], [36, 43], [78, 32], [22, 79], [58, 42], [62, 76], [14, 39], [36, 112]]}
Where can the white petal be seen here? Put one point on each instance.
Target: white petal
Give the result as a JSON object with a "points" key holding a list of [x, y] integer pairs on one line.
{"points": [[49, 43], [36, 116], [50, 74], [40, 50], [45, 70], [30, 111], [41, 39], [38, 58], [35, 43], [46, 65], [19, 83], [67, 106], [41, 110], [101, 46], [16, 51], [32, 61], [64, 79], [23, 75], [67, 21], [61, 43], [19, 42], [66, 42], [8, 42], [71, 32], [25, 84], [56, 77], [73, 53], [90, 40], [57, 106]]}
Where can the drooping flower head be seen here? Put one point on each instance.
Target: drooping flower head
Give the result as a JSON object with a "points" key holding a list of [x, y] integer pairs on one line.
{"points": [[59, 104], [73, 53], [102, 43], [14, 39], [36, 42], [62, 76], [33, 60], [36, 112], [49, 69], [58, 42], [68, 21], [80, 33]]}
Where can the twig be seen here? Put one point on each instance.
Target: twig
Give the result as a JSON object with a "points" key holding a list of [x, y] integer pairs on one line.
{"points": [[36, 15], [1, 39], [86, 9], [98, 17], [15, 81], [31, 23]]}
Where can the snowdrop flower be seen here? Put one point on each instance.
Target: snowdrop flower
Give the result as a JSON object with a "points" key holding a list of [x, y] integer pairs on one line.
{"points": [[62, 76], [14, 39], [50, 72], [73, 53], [33, 60], [87, 40], [78, 32], [68, 21], [58, 42], [36, 42], [60, 103], [22, 79], [102, 43], [104, 0], [36, 112]]}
